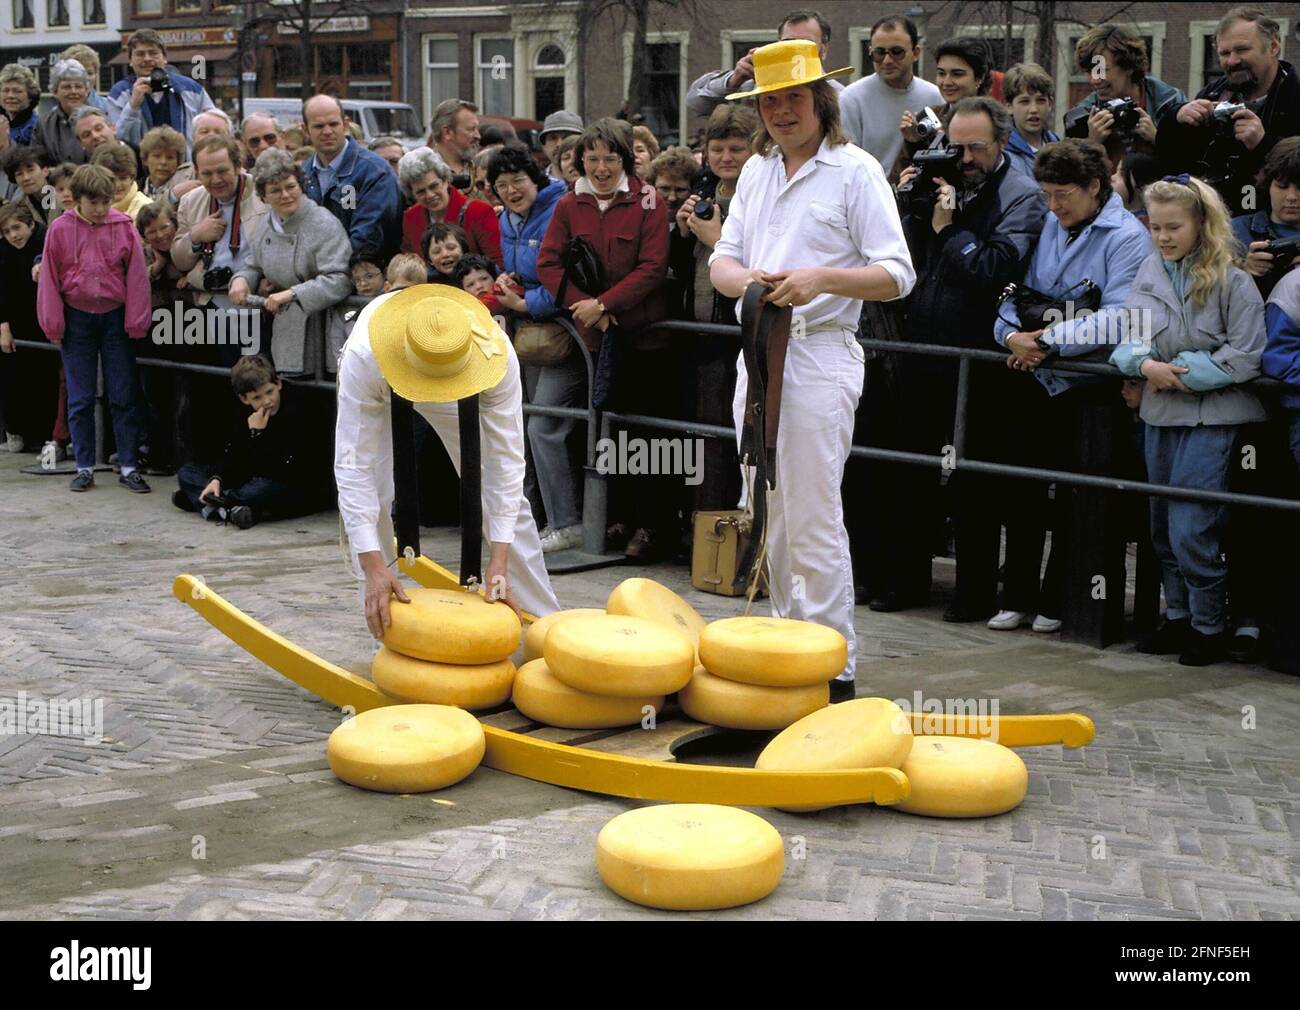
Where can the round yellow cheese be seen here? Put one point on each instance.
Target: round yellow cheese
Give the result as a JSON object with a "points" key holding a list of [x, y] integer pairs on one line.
{"points": [[543, 698], [647, 598], [452, 626], [721, 702], [690, 856], [959, 777], [406, 748], [422, 682], [773, 651], [627, 657], [535, 635]]}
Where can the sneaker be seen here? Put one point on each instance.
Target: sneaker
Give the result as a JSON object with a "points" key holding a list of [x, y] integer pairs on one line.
{"points": [[13, 443], [134, 482], [843, 690], [1007, 620], [1168, 639], [562, 539], [242, 516], [1046, 625], [55, 452], [83, 481], [1246, 649], [1202, 649], [182, 501]]}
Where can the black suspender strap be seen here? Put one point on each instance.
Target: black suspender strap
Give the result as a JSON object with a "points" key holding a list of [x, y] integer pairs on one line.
{"points": [[471, 493], [406, 479]]}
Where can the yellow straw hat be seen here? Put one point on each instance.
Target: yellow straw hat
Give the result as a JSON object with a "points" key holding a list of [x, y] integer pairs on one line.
{"points": [[435, 343], [787, 65]]}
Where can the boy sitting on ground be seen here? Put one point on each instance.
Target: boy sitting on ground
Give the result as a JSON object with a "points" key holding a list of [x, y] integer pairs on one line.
{"points": [[275, 464]]}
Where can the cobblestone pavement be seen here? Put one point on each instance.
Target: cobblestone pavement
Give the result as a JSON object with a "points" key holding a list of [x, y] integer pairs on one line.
{"points": [[210, 796]]}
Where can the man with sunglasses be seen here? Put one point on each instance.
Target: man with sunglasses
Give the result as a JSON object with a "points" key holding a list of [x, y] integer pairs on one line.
{"points": [[871, 107], [259, 133]]}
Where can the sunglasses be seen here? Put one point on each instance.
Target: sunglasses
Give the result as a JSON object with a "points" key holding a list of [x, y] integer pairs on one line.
{"points": [[266, 138], [878, 53]]}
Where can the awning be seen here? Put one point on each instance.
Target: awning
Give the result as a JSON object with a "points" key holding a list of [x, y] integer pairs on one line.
{"points": [[177, 57]]}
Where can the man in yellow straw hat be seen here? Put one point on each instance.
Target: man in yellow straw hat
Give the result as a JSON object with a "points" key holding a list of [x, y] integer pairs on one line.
{"points": [[814, 219], [434, 345]]}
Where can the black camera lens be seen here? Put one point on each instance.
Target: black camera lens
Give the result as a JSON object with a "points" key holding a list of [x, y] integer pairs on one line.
{"points": [[158, 80], [461, 180], [704, 210]]}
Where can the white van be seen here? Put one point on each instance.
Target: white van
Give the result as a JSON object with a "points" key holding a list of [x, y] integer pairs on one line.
{"points": [[376, 119]]}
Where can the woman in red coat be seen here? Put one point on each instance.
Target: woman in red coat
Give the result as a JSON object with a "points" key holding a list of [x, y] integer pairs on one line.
{"points": [[427, 180], [626, 223]]}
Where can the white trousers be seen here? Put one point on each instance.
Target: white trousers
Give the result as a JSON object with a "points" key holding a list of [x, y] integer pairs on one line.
{"points": [[810, 572], [530, 584]]}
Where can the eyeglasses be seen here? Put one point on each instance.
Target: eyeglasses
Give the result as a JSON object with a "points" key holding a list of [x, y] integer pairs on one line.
{"points": [[266, 138], [978, 146], [878, 53], [1060, 196], [503, 184]]}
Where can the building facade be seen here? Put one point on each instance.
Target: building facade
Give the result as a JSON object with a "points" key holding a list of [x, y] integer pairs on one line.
{"points": [[34, 32]]}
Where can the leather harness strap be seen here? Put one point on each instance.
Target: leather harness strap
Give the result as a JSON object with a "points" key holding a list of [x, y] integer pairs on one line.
{"points": [[764, 337]]}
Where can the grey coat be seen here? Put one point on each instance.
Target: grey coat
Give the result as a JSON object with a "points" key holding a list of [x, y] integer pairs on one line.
{"points": [[311, 258], [1228, 328], [54, 133]]}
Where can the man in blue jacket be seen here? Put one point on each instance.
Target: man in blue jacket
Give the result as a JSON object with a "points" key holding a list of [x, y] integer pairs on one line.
{"points": [[353, 184], [138, 108]]}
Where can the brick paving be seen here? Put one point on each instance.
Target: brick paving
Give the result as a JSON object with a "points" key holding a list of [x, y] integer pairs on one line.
{"points": [[210, 797]]}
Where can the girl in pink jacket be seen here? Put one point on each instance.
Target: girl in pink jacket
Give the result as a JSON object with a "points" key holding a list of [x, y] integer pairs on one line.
{"points": [[92, 295]]}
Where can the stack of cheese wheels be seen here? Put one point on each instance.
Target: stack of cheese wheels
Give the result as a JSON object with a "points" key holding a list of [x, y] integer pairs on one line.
{"points": [[863, 733], [448, 647], [647, 598], [690, 856], [603, 670], [763, 672], [406, 748], [535, 636]]}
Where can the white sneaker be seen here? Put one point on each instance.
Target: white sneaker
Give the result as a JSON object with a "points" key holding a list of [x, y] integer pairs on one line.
{"points": [[1046, 625], [1007, 620], [562, 539], [13, 443]]}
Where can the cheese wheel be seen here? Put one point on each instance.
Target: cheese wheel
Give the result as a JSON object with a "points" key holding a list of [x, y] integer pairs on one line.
{"points": [[452, 626], [690, 856], [406, 748], [955, 776], [864, 733], [773, 651], [422, 682], [626, 657], [721, 702], [535, 636], [647, 598], [543, 698]]}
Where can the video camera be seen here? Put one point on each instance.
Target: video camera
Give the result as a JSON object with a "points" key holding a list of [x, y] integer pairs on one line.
{"points": [[918, 193]]}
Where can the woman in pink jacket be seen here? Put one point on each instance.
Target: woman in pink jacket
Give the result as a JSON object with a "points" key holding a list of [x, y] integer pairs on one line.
{"points": [[92, 295]]}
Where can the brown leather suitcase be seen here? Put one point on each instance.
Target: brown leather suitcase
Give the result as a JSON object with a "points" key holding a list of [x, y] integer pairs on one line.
{"points": [[718, 541]]}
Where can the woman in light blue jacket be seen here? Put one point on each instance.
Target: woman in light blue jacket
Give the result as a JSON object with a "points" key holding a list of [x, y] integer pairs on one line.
{"points": [[1088, 238], [1194, 327], [529, 198]]}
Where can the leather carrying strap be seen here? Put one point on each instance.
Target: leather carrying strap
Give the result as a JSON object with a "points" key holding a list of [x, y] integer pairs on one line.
{"points": [[764, 337], [406, 485]]}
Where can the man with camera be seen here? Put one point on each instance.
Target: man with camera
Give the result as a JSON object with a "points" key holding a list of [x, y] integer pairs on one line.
{"points": [[151, 95], [453, 133], [971, 224], [216, 226], [1226, 132]]}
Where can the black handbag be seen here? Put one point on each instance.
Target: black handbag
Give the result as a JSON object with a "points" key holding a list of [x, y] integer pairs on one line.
{"points": [[582, 268], [1033, 306]]}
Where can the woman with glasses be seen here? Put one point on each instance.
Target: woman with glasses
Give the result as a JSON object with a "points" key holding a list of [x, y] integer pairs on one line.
{"points": [[1088, 237], [426, 179], [871, 107]]}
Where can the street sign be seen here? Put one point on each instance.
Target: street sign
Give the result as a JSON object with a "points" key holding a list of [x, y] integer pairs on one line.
{"points": [[249, 76]]}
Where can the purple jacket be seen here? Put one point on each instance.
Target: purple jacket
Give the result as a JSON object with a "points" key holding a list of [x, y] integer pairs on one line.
{"points": [[94, 268]]}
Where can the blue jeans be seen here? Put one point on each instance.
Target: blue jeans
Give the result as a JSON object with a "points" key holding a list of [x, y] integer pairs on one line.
{"points": [[90, 338], [559, 385], [1188, 535], [262, 494]]}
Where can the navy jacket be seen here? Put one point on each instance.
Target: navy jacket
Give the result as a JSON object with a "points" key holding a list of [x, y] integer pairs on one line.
{"points": [[961, 270], [365, 198]]}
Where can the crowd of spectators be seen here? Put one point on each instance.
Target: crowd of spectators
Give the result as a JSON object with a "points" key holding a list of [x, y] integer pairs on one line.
{"points": [[1153, 207]]}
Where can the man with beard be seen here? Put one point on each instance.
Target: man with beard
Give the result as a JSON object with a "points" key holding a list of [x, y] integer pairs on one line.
{"points": [[1229, 150], [968, 240], [454, 135]]}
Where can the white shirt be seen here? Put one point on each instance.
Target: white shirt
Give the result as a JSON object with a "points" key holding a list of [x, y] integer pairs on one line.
{"points": [[837, 211], [363, 442]]}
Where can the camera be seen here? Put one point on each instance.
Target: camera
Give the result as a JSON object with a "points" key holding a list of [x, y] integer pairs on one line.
{"points": [[1284, 250], [704, 209], [217, 279], [461, 181], [1125, 112], [158, 81], [928, 126], [934, 163]]}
